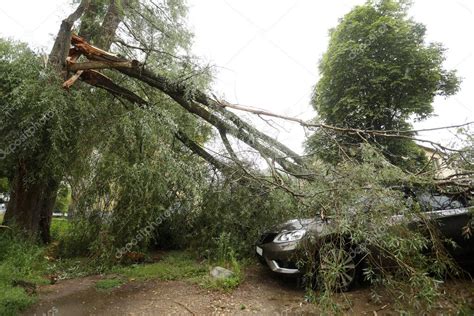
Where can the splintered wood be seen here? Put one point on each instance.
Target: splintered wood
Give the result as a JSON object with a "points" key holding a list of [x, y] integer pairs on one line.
{"points": [[98, 59]]}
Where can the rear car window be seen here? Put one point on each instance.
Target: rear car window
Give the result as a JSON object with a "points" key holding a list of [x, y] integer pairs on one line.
{"points": [[435, 202]]}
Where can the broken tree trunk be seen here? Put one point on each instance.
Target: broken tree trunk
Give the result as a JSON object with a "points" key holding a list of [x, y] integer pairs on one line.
{"points": [[60, 50]]}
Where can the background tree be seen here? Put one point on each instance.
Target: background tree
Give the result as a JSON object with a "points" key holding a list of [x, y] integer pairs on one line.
{"points": [[378, 73]]}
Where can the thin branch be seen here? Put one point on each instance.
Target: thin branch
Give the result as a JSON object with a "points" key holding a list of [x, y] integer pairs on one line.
{"points": [[228, 146], [384, 133], [215, 113]]}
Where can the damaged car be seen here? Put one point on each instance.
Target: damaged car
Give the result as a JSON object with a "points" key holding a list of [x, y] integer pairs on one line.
{"points": [[282, 249]]}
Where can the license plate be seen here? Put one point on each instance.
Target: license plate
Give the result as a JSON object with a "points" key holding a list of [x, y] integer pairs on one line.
{"points": [[259, 251]]}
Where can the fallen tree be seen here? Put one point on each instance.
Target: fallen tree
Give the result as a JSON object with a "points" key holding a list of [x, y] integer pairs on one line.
{"points": [[215, 112], [194, 101]]}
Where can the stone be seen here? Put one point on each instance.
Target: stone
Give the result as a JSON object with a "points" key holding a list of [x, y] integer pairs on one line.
{"points": [[221, 273]]}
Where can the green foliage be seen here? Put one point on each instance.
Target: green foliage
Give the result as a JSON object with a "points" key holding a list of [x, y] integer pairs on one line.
{"points": [[44, 127], [68, 268], [142, 176], [127, 172], [59, 228], [463, 161], [175, 265], [465, 310], [13, 300], [227, 284], [224, 252], [121, 162], [226, 257], [20, 259], [133, 174], [232, 216], [378, 73]]}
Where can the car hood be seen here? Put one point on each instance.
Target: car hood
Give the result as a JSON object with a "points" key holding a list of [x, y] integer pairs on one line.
{"points": [[295, 224]]}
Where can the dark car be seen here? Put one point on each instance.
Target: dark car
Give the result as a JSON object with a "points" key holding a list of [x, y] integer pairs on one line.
{"points": [[280, 247]]}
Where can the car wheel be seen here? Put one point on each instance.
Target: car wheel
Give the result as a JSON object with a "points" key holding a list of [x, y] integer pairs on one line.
{"points": [[337, 270]]}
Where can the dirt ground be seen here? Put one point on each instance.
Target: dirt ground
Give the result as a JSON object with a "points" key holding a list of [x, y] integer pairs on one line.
{"points": [[261, 293]]}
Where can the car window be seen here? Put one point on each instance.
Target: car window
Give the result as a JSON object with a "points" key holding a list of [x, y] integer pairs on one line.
{"points": [[437, 202]]}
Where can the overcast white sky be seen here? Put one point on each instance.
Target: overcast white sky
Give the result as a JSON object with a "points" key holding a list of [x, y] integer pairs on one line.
{"points": [[266, 51]]}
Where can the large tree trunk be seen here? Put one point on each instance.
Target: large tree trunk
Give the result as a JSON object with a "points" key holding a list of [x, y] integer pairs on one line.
{"points": [[111, 22], [31, 204]]}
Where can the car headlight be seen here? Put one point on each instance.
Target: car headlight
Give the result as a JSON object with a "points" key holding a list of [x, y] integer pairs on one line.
{"points": [[293, 235]]}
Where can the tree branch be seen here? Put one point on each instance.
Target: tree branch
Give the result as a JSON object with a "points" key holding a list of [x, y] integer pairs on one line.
{"points": [[60, 50], [102, 65]]}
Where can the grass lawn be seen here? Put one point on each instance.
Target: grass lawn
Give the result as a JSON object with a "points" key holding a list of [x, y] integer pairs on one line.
{"points": [[180, 265], [175, 265], [108, 284]]}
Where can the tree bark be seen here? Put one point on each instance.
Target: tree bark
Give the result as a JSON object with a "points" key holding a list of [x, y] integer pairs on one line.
{"points": [[111, 21], [60, 50], [31, 204]]}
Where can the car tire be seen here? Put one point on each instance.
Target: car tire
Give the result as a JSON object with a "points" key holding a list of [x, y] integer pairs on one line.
{"points": [[337, 269]]}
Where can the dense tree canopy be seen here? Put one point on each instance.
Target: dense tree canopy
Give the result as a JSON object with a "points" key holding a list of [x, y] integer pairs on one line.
{"points": [[378, 73]]}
